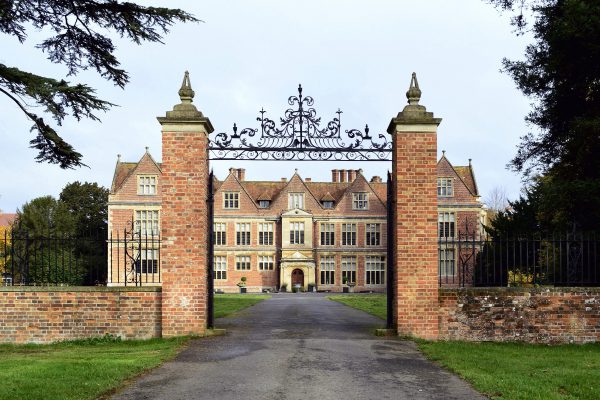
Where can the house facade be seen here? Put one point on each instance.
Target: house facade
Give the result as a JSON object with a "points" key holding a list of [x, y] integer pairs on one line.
{"points": [[291, 233]]}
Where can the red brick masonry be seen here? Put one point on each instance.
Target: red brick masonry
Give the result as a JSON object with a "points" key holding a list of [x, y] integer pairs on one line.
{"points": [[533, 315], [44, 315]]}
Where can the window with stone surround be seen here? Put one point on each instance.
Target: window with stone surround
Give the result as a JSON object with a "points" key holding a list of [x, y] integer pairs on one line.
{"points": [[242, 234], [348, 234], [373, 234], [360, 201], [231, 200], [147, 185], [266, 263], [146, 222], [296, 232], [220, 267], [447, 265], [220, 234], [349, 269], [264, 203], [265, 234], [242, 263], [446, 222], [327, 269], [148, 262], [445, 187], [327, 234], [296, 200], [375, 270]]}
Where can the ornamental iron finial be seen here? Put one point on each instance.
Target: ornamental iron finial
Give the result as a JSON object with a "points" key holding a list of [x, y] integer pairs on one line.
{"points": [[414, 93], [186, 94]]}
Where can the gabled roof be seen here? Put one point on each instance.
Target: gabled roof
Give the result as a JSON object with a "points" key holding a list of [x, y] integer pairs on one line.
{"points": [[464, 173], [327, 197], [123, 170]]}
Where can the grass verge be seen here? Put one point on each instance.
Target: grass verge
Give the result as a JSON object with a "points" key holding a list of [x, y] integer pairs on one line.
{"points": [[374, 304], [83, 369], [515, 371], [226, 304], [509, 371]]}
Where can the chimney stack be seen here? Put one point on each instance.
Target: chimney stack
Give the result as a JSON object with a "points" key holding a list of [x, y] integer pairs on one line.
{"points": [[241, 174], [283, 179], [334, 175], [376, 179], [342, 175], [307, 179], [351, 175]]}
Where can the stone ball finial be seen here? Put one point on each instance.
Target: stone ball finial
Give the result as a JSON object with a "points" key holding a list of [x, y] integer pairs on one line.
{"points": [[186, 94], [147, 148], [414, 93]]}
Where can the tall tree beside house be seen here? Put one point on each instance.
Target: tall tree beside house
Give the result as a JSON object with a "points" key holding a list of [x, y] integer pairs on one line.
{"points": [[81, 33], [561, 74]]}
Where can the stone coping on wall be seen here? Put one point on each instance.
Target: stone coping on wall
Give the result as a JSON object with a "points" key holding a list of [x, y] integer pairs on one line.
{"points": [[519, 290], [80, 289]]}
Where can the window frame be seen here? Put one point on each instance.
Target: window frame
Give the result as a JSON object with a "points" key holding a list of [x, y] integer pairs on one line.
{"points": [[243, 236], [378, 273], [357, 201], [243, 261], [351, 232], [220, 233], [327, 234], [142, 186], [270, 233], [268, 260], [293, 206], [370, 240], [234, 202], [138, 222], [220, 273], [297, 234], [445, 263], [327, 270], [351, 261], [443, 184], [446, 226]]}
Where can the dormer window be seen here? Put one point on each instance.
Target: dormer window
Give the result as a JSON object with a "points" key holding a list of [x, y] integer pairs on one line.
{"points": [[147, 185], [296, 200], [360, 201], [264, 203], [327, 204], [445, 187]]}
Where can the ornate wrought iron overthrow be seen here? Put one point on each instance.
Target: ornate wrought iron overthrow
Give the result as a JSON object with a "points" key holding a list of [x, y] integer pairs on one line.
{"points": [[300, 137]]}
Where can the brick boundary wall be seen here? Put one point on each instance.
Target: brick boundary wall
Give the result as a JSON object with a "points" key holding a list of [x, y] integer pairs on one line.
{"points": [[50, 314], [532, 315]]}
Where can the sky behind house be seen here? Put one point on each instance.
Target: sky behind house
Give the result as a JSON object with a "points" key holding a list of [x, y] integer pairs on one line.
{"points": [[353, 55]]}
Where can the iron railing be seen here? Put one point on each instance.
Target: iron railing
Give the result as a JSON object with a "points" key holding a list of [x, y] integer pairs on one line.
{"points": [[561, 259], [127, 257]]}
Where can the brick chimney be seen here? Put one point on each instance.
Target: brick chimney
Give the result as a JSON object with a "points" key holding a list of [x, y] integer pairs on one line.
{"points": [[376, 179], [307, 179], [351, 175], [334, 175], [342, 175], [241, 174]]}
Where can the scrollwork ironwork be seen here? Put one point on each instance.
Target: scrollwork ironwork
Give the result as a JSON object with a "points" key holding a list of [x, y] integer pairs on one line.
{"points": [[300, 137]]}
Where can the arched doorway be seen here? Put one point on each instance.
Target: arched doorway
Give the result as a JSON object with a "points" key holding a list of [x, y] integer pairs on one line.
{"points": [[297, 277]]}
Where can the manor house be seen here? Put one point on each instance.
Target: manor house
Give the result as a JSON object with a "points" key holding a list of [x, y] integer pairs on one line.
{"points": [[286, 233]]}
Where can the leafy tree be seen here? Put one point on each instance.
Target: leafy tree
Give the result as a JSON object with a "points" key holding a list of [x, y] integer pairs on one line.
{"points": [[80, 41], [87, 203], [561, 74]]}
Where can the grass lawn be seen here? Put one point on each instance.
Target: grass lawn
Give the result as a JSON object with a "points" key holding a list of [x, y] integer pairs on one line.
{"points": [[87, 369], [77, 370], [226, 304], [374, 304], [509, 371]]}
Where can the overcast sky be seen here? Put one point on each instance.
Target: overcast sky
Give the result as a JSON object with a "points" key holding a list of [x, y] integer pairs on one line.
{"points": [[355, 55]]}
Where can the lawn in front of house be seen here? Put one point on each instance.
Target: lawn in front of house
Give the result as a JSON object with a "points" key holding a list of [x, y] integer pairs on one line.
{"points": [[226, 304], [374, 304], [82, 369], [508, 371], [86, 369]]}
